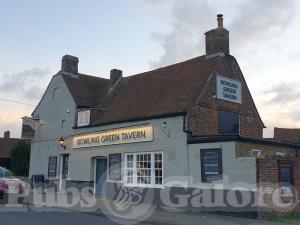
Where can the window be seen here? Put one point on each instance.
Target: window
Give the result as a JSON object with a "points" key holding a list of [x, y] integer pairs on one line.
{"points": [[9, 174], [83, 118], [65, 165], [211, 165], [255, 153], [144, 169], [229, 123], [286, 180], [52, 164]]}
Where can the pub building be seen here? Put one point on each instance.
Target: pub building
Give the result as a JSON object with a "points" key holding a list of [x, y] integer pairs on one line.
{"points": [[193, 123]]}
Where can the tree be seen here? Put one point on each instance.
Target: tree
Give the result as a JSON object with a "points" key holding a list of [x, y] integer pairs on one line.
{"points": [[20, 158]]}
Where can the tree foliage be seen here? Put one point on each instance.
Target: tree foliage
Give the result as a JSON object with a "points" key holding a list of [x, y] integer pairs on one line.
{"points": [[20, 158]]}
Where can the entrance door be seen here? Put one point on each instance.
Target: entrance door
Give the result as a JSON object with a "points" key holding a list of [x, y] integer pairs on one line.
{"points": [[64, 170], [286, 180], [100, 177]]}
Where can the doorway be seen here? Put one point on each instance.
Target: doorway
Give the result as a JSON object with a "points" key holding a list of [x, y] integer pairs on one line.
{"points": [[64, 171], [100, 177]]}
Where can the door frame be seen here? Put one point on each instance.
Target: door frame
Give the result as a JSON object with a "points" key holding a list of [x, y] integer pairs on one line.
{"points": [[61, 169], [95, 170]]}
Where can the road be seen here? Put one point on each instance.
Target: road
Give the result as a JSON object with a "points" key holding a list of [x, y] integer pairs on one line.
{"points": [[36, 217], [51, 216]]}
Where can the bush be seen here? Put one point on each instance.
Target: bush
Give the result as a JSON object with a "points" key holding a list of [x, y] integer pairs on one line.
{"points": [[20, 158]]}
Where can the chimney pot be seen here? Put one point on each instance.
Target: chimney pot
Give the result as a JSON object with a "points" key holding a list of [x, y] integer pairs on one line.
{"points": [[115, 75], [220, 20], [217, 40], [69, 64], [7, 134]]}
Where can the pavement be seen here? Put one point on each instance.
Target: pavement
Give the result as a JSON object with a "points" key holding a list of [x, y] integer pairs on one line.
{"points": [[103, 212]]}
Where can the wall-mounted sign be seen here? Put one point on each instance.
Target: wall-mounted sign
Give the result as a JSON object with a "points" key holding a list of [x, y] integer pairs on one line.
{"points": [[115, 166], [114, 137], [52, 166], [229, 90], [211, 165]]}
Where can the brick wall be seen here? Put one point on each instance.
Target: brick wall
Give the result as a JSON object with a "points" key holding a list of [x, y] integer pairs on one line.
{"points": [[267, 151], [203, 116], [268, 177]]}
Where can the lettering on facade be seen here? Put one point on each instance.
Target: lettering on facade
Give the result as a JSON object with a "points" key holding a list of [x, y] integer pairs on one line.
{"points": [[117, 136], [229, 90]]}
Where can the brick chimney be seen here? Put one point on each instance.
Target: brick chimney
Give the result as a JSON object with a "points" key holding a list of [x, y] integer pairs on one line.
{"points": [[69, 64], [217, 40], [115, 75], [7, 134]]}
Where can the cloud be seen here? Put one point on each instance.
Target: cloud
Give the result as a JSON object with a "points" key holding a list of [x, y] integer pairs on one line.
{"points": [[257, 34], [280, 105], [284, 93], [10, 117], [27, 85], [249, 21], [256, 19]]}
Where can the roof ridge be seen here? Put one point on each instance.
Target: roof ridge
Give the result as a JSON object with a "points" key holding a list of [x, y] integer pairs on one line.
{"points": [[92, 76], [166, 67]]}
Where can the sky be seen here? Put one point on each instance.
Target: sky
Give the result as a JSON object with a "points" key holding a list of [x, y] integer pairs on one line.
{"points": [[140, 35]]}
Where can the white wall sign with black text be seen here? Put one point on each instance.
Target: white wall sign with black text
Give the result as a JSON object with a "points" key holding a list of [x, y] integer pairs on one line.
{"points": [[229, 90]]}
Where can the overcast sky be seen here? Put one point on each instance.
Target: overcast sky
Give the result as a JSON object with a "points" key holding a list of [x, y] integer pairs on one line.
{"points": [[139, 35]]}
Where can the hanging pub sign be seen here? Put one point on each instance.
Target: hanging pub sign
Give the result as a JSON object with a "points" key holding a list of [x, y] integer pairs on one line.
{"points": [[116, 136], [52, 166], [115, 166], [211, 165], [229, 90]]}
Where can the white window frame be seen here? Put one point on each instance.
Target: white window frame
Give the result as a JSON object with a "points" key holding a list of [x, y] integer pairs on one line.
{"points": [[83, 118], [255, 153], [135, 184]]}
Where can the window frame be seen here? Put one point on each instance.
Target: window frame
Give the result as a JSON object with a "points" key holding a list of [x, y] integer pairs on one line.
{"points": [[86, 123], [219, 122], [134, 169], [49, 159], [286, 164]]}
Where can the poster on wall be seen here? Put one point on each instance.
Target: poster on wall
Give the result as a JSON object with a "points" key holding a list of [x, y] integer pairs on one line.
{"points": [[52, 166], [115, 166], [211, 165]]}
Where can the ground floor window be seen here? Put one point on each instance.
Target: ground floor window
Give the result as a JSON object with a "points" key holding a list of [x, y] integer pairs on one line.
{"points": [[65, 166], [52, 164], [144, 169]]}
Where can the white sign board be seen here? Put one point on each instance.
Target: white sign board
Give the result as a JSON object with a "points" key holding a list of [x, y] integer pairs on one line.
{"points": [[229, 90], [115, 137]]}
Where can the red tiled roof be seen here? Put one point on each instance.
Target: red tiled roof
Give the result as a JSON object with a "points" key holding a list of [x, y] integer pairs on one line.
{"points": [[287, 135], [164, 91], [86, 90], [167, 90]]}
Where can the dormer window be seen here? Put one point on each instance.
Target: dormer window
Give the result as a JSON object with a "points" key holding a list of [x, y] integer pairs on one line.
{"points": [[83, 118]]}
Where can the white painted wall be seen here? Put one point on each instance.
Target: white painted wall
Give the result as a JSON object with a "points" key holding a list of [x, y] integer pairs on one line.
{"points": [[171, 139], [235, 170]]}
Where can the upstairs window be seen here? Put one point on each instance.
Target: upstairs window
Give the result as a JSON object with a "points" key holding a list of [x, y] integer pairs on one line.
{"points": [[229, 123], [83, 118]]}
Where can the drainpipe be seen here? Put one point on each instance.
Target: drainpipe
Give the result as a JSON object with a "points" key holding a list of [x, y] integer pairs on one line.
{"points": [[187, 149]]}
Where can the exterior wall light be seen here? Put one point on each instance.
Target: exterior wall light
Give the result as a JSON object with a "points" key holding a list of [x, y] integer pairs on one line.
{"points": [[62, 142]]}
